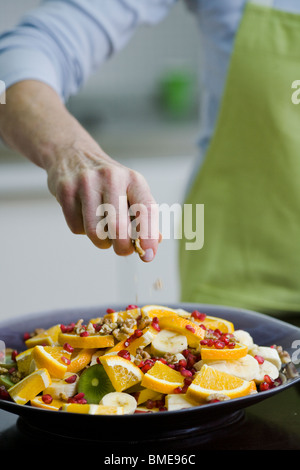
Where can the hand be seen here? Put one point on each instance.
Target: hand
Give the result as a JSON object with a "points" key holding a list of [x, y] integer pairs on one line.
{"points": [[82, 181], [81, 175]]}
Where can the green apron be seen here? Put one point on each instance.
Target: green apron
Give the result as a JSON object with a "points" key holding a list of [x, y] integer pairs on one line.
{"points": [[249, 182]]}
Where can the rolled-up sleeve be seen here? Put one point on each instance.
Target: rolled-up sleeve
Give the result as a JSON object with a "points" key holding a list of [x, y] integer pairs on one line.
{"points": [[62, 42]]}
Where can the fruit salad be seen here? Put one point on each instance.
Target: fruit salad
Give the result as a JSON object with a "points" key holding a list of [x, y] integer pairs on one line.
{"points": [[140, 360]]}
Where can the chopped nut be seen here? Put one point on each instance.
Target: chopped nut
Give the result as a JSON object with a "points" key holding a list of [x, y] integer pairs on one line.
{"points": [[137, 247], [3, 370], [144, 322], [284, 355], [141, 355], [158, 284], [79, 328], [171, 358], [290, 371], [119, 335]]}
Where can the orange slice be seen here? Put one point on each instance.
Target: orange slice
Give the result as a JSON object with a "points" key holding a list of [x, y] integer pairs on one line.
{"points": [[92, 409], [29, 387], [157, 311], [122, 372], [54, 358], [193, 332], [253, 388], [221, 324], [147, 394], [91, 341], [225, 354], [162, 378], [123, 314], [46, 338], [210, 381], [80, 358], [133, 343], [39, 403], [23, 360]]}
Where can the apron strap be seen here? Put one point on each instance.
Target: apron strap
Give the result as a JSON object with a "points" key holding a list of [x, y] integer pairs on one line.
{"points": [[265, 3]]}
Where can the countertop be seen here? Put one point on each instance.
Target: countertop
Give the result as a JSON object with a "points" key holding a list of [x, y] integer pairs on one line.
{"points": [[273, 424]]}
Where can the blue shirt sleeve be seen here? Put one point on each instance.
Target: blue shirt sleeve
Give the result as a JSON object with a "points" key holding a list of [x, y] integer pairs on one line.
{"points": [[63, 42]]}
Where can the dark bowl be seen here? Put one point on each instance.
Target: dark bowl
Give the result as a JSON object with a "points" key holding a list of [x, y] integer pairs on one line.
{"points": [[168, 426]]}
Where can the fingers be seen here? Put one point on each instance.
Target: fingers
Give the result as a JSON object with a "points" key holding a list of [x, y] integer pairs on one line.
{"points": [[144, 210], [112, 205]]}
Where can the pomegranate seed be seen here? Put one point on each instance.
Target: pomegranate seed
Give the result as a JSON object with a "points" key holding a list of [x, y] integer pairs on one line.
{"points": [[269, 380], [214, 400], [172, 366], [67, 347], [186, 373], [97, 327], [210, 342], [26, 336], [264, 386], [188, 381], [203, 326], [126, 344], [162, 408], [84, 333], [71, 379], [204, 342], [11, 370], [110, 310], [125, 354], [47, 398], [259, 359], [146, 367], [14, 354], [161, 359], [177, 390], [219, 345], [79, 396], [131, 307], [199, 316], [231, 345], [182, 362], [71, 400], [65, 360], [155, 324], [190, 328], [138, 333], [82, 401], [150, 404], [67, 328], [4, 395], [185, 352]]}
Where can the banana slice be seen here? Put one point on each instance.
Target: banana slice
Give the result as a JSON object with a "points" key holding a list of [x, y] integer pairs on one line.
{"points": [[269, 354], [267, 368], [179, 402], [126, 401], [60, 389], [243, 337], [246, 368], [167, 341]]}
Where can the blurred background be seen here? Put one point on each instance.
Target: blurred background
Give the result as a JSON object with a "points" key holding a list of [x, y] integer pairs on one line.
{"points": [[142, 107]]}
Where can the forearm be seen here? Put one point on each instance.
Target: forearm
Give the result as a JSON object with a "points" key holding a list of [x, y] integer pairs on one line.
{"points": [[37, 124]]}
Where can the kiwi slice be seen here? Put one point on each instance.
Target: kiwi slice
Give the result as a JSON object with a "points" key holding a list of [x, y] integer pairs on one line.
{"points": [[6, 382], [94, 383]]}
